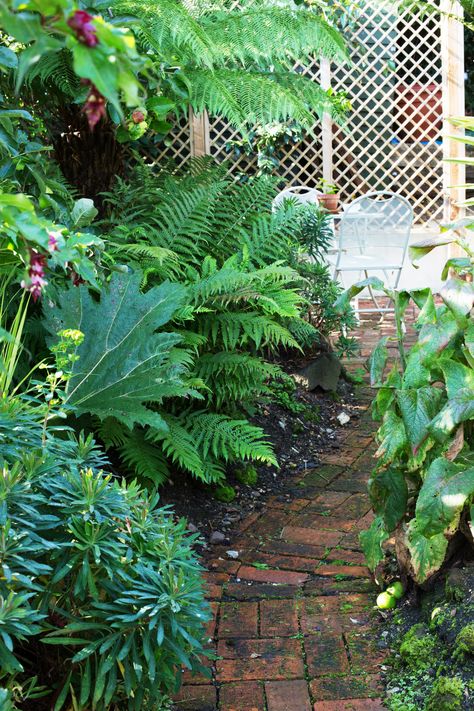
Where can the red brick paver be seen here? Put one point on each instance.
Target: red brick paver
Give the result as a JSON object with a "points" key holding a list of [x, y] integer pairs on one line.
{"points": [[296, 627]]}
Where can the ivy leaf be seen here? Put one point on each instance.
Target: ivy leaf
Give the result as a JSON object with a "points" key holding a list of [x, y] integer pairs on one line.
{"points": [[83, 213], [442, 497], [427, 554], [392, 437], [418, 406], [389, 495], [372, 540], [378, 361], [123, 363], [459, 408]]}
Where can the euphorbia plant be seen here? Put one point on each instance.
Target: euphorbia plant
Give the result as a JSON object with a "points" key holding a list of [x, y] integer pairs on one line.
{"points": [[422, 489]]}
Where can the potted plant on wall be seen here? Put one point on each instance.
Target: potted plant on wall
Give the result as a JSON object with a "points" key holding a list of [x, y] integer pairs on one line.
{"points": [[328, 196]]}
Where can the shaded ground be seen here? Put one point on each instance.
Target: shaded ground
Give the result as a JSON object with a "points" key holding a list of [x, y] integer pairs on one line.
{"points": [[299, 440], [294, 626]]}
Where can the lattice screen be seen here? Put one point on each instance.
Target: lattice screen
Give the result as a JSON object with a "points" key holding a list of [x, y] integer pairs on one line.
{"points": [[392, 137]]}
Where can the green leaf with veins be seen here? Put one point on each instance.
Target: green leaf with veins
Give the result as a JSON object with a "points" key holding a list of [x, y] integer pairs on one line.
{"points": [[392, 437], [458, 295], [459, 408], [389, 495], [372, 540], [378, 361], [418, 407], [427, 554], [457, 377], [123, 363], [446, 489]]}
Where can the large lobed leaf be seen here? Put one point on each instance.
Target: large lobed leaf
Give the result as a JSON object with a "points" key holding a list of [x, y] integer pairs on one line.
{"points": [[123, 362]]}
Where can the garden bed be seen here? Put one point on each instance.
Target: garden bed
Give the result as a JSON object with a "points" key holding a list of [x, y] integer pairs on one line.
{"points": [[298, 438]]}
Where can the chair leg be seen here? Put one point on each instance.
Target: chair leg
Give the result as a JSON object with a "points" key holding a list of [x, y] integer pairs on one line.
{"points": [[372, 296]]}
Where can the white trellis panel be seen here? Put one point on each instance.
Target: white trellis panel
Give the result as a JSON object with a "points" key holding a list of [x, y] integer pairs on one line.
{"points": [[392, 139], [399, 86]]}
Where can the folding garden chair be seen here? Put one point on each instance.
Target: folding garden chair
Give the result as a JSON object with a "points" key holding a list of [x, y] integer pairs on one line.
{"points": [[374, 231]]}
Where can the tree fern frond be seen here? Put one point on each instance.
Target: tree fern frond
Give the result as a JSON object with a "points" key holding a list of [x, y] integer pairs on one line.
{"points": [[55, 70], [268, 33], [166, 26], [245, 99]]}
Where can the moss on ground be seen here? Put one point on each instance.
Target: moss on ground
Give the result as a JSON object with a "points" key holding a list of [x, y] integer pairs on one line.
{"points": [[432, 641]]}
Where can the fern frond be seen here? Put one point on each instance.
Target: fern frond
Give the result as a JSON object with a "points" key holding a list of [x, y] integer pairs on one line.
{"points": [[143, 458], [112, 432], [234, 377], [245, 99], [178, 446], [240, 329], [55, 71], [229, 439], [268, 33]]}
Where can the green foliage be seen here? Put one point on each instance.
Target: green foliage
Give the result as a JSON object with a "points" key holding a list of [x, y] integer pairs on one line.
{"points": [[465, 641], [418, 648], [123, 363], [247, 475], [423, 487], [224, 493], [447, 695], [94, 571]]}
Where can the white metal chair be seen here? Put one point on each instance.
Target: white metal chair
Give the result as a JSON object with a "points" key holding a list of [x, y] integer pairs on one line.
{"points": [[299, 193], [373, 235]]}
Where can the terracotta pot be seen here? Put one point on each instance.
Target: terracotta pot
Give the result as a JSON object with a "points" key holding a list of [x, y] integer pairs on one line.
{"points": [[329, 201], [421, 104]]}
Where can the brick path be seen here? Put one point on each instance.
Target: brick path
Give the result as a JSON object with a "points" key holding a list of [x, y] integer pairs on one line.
{"points": [[294, 626]]}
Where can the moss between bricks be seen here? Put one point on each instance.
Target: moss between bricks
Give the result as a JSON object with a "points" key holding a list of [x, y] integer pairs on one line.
{"points": [[432, 662]]}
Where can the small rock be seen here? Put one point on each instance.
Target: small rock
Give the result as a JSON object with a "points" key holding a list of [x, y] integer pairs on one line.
{"points": [[192, 528], [216, 538], [343, 418], [233, 554]]}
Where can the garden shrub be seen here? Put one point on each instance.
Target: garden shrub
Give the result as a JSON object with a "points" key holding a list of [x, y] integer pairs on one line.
{"points": [[423, 487], [101, 591]]}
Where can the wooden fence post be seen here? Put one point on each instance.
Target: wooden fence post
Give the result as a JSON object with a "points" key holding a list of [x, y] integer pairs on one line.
{"points": [[326, 125], [452, 54], [199, 134]]}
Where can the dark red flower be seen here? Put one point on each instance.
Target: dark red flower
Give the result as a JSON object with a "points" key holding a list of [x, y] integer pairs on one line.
{"points": [[81, 23], [75, 278], [94, 108], [36, 281], [138, 116]]}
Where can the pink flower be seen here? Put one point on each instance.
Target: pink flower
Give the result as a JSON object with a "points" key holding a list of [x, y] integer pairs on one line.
{"points": [[94, 108], [36, 281], [52, 242], [81, 23]]}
